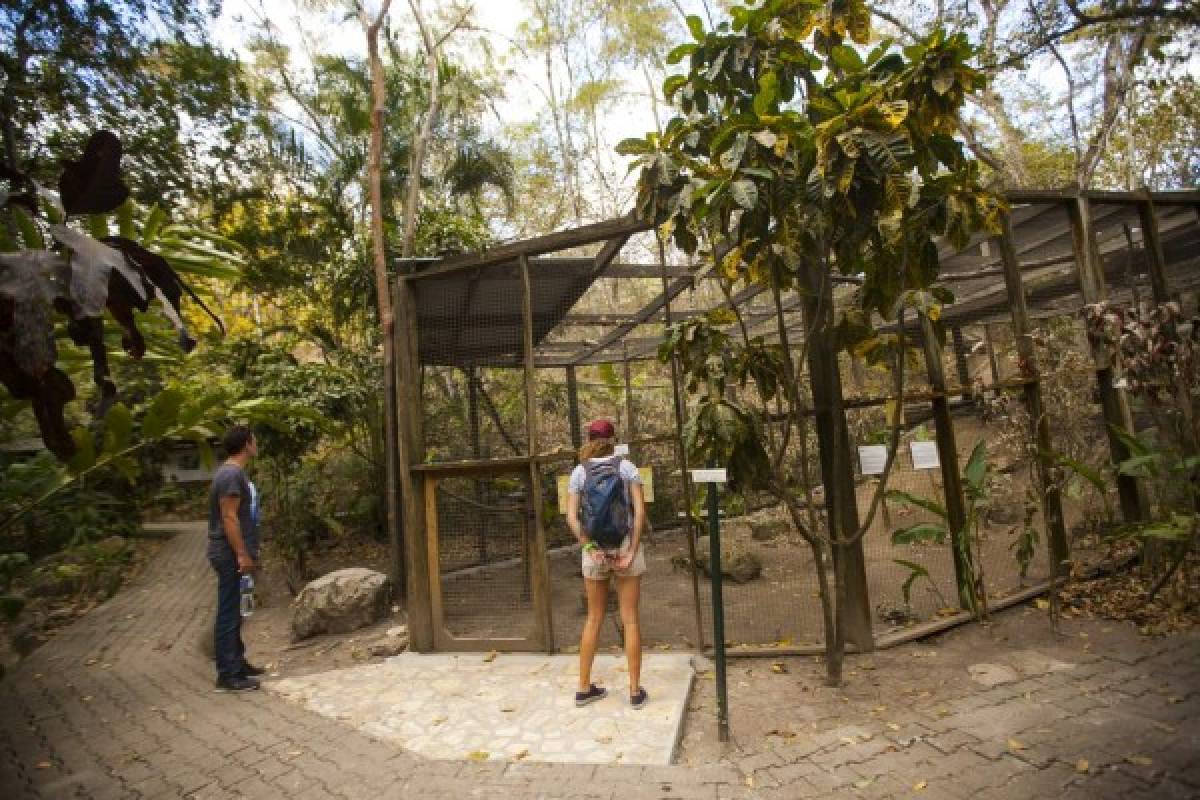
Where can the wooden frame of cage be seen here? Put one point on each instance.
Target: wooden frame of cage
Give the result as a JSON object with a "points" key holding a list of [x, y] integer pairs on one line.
{"points": [[1083, 267]]}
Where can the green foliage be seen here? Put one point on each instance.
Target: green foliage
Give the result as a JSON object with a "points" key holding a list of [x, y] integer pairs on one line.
{"points": [[802, 157], [975, 491]]}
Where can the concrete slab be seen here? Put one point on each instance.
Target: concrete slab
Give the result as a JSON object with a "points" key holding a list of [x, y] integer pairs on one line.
{"points": [[505, 707]]}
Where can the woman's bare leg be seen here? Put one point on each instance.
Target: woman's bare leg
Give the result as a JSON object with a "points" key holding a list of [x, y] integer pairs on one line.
{"points": [[628, 593], [597, 598]]}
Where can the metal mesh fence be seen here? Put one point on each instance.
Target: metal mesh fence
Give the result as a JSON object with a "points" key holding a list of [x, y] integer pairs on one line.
{"points": [[484, 537], [602, 333]]}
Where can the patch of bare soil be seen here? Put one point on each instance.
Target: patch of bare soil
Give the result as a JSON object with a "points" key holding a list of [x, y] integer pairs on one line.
{"points": [[1123, 594]]}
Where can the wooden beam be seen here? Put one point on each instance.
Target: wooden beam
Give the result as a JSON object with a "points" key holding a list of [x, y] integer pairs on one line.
{"points": [[649, 310], [971, 593], [1114, 402], [536, 544], [552, 242], [573, 420], [412, 489], [1152, 244], [1051, 497]]}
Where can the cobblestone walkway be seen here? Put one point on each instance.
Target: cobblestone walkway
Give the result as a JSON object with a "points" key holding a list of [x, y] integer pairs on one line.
{"points": [[120, 705]]}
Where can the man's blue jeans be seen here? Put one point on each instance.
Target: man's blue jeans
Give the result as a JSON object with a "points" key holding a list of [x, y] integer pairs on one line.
{"points": [[228, 647]]}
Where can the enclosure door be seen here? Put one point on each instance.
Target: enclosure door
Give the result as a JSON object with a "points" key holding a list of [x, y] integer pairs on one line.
{"points": [[484, 553]]}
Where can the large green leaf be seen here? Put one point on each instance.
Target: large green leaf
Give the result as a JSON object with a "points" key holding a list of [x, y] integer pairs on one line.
{"points": [[915, 571], [744, 193], [163, 413], [976, 470], [696, 26], [922, 532], [118, 429], [901, 496], [1089, 474]]}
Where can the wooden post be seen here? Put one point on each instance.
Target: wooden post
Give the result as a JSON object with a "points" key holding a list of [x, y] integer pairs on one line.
{"points": [[837, 468], [990, 347], [1113, 400], [1052, 511], [630, 416], [947, 447], [412, 489], [1152, 245], [573, 409], [960, 358], [539, 571], [472, 376]]}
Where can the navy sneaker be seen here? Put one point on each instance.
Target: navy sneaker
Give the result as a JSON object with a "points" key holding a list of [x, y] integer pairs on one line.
{"points": [[593, 694], [251, 671], [238, 683], [639, 698]]}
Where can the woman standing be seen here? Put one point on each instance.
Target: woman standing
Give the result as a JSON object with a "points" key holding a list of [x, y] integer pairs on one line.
{"points": [[606, 511]]}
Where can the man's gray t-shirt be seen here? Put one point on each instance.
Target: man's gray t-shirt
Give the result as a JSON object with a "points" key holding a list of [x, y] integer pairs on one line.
{"points": [[230, 481]]}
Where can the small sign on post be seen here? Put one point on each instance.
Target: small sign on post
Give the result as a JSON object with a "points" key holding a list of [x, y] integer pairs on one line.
{"points": [[714, 476]]}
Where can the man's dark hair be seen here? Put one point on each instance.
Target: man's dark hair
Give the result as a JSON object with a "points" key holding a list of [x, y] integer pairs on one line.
{"points": [[236, 438]]}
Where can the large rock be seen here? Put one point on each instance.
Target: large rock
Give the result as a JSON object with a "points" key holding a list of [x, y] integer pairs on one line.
{"points": [[342, 601], [743, 567], [768, 529], [738, 565]]}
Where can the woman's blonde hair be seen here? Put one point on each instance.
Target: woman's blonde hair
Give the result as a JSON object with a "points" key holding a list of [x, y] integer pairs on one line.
{"points": [[597, 448]]}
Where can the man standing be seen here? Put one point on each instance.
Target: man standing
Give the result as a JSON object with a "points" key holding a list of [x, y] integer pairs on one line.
{"points": [[233, 552]]}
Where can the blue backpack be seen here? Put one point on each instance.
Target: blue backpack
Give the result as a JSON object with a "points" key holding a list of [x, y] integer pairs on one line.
{"points": [[604, 503]]}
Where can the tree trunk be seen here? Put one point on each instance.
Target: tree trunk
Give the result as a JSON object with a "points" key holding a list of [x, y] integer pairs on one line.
{"points": [[382, 292], [412, 197]]}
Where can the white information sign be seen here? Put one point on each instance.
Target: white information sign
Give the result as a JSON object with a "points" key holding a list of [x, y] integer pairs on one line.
{"points": [[621, 450], [708, 476], [872, 458], [925, 455]]}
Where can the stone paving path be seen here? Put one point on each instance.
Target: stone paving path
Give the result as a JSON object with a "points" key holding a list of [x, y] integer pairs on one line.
{"points": [[506, 706], [120, 705]]}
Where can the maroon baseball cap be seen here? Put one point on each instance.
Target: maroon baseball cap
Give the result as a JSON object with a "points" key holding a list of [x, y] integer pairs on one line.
{"points": [[601, 429]]}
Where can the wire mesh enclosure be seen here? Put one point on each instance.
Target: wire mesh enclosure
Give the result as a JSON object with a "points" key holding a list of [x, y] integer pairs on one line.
{"points": [[508, 353]]}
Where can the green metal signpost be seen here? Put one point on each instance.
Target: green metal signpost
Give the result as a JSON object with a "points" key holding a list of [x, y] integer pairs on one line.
{"points": [[712, 477]]}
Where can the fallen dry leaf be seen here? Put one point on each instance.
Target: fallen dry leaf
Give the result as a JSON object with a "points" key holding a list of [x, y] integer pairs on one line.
{"points": [[1042, 603], [893, 726], [507, 709], [520, 754], [1141, 761], [478, 755], [781, 733], [863, 783], [44, 765], [779, 668], [490, 657], [919, 786], [1014, 744], [1082, 765]]}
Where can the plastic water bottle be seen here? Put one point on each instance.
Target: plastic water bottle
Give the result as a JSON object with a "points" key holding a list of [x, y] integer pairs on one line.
{"points": [[247, 595]]}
